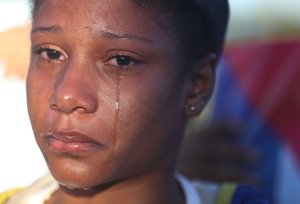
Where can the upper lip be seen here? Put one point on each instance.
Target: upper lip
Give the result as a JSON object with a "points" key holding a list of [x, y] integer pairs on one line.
{"points": [[72, 137]]}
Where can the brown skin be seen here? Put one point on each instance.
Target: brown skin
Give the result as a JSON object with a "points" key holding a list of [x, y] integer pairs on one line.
{"points": [[76, 90], [215, 154]]}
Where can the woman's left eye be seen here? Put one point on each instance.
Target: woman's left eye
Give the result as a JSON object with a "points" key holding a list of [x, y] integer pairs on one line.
{"points": [[122, 61]]}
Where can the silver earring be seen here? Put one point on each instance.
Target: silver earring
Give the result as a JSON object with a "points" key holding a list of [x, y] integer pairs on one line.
{"points": [[192, 108]]}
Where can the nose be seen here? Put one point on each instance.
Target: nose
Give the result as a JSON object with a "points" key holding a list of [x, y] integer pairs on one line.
{"points": [[73, 92]]}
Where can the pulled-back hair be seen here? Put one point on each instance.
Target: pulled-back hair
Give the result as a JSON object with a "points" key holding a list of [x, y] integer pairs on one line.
{"points": [[189, 20]]}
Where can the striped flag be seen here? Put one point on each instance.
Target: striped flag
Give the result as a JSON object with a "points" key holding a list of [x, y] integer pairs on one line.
{"points": [[259, 86]]}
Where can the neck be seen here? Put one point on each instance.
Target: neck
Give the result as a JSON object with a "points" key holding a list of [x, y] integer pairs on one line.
{"points": [[149, 189]]}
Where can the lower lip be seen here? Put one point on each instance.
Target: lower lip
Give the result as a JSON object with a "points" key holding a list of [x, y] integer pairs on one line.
{"points": [[71, 147]]}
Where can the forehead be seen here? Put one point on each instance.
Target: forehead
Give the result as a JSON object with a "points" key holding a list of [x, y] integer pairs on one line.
{"points": [[92, 16]]}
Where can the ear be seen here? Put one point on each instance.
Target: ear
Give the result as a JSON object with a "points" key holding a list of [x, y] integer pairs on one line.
{"points": [[201, 85]]}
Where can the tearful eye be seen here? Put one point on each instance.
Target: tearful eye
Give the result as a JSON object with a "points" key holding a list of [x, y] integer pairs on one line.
{"points": [[50, 54], [53, 54], [123, 61]]}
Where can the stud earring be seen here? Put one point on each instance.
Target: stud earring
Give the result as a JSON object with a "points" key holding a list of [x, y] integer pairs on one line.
{"points": [[192, 108]]}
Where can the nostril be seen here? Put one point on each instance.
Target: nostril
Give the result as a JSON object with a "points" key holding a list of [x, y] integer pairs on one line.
{"points": [[80, 110], [53, 103], [69, 104], [54, 107], [62, 103]]}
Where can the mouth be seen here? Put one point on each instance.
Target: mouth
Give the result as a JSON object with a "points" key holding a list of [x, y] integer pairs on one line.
{"points": [[71, 142]]}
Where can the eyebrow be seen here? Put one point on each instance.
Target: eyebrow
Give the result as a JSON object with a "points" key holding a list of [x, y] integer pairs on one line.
{"points": [[50, 29], [115, 36], [105, 34]]}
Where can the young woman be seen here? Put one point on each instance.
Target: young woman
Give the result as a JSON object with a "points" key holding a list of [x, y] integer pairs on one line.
{"points": [[110, 88]]}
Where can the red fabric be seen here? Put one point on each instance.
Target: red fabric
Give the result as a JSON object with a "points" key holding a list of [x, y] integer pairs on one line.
{"points": [[269, 73]]}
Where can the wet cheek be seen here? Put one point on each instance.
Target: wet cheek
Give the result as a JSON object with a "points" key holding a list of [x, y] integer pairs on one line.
{"points": [[139, 113], [150, 110], [141, 130]]}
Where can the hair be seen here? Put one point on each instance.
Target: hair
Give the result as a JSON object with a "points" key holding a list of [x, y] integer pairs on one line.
{"points": [[189, 21]]}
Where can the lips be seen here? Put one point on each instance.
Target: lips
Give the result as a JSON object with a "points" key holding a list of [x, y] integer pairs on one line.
{"points": [[71, 142]]}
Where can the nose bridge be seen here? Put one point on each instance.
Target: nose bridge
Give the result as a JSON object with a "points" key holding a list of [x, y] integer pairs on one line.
{"points": [[72, 90]]}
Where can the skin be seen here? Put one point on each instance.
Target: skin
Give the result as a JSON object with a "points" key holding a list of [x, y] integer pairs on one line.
{"points": [[75, 80], [216, 154]]}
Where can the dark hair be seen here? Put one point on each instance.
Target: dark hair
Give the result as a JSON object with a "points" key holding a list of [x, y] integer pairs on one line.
{"points": [[35, 4], [192, 20]]}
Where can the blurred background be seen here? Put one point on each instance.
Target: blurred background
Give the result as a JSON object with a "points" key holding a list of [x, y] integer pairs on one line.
{"points": [[258, 86], [21, 161]]}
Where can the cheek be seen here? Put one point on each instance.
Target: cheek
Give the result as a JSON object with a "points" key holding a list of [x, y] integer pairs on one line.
{"points": [[150, 120], [37, 88]]}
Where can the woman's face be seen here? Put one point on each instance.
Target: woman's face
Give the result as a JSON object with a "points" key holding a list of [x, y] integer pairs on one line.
{"points": [[106, 93]]}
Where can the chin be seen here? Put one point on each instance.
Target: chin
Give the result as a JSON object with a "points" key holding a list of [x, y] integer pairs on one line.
{"points": [[83, 184], [73, 179], [74, 174]]}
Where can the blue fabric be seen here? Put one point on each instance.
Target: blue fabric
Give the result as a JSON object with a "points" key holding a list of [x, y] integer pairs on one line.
{"points": [[231, 104], [248, 195]]}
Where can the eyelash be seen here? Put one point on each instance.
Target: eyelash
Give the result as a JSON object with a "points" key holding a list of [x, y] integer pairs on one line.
{"points": [[127, 60], [45, 54]]}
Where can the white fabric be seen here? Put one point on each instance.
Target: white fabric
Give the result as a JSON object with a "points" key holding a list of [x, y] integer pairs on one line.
{"points": [[41, 191], [191, 194], [37, 193], [208, 191]]}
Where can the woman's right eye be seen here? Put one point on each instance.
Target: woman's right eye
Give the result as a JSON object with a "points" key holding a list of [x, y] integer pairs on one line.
{"points": [[50, 54]]}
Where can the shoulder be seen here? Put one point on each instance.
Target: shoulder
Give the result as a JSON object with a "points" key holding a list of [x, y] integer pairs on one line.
{"points": [[38, 192], [248, 195], [233, 193], [4, 196], [229, 193]]}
